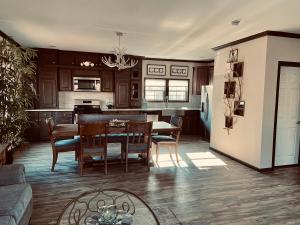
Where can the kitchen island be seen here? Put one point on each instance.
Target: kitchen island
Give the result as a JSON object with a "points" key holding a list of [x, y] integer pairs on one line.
{"points": [[38, 132]]}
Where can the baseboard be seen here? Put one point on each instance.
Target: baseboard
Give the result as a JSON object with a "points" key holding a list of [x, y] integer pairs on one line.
{"points": [[240, 161]]}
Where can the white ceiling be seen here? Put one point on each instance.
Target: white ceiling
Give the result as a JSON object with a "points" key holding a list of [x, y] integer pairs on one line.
{"points": [[179, 29]]}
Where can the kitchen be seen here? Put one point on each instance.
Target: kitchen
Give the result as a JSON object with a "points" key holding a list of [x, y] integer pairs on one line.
{"points": [[70, 81]]}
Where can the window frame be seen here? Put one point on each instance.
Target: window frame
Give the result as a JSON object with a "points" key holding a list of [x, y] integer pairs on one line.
{"points": [[167, 89]]}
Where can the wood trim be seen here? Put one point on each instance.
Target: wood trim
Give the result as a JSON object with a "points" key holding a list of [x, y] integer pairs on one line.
{"points": [[259, 35], [280, 64], [180, 60], [240, 161], [5, 36]]}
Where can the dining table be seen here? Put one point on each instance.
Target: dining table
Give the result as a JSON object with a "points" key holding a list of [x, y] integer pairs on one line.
{"points": [[68, 130]]}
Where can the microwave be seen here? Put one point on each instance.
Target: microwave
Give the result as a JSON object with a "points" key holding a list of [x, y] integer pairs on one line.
{"points": [[86, 84]]}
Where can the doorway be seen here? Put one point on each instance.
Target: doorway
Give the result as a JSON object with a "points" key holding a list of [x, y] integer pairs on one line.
{"points": [[287, 116]]}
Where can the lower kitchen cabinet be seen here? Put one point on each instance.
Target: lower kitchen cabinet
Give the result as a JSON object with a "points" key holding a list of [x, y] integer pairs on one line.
{"points": [[38, 130], [191, 122]]}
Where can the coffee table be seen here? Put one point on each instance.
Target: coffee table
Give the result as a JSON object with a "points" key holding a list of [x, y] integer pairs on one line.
{"points": [[82, 209]]}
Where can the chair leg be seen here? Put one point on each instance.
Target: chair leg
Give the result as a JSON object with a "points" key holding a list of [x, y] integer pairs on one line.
{"points": [[148, 161], [157, 152], [176, 152], [81, 164], [54, 160], [126, 162], [105, 162]]}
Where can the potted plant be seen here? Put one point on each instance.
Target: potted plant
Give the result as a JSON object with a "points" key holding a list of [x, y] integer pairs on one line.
{"points": [[17, 92]]}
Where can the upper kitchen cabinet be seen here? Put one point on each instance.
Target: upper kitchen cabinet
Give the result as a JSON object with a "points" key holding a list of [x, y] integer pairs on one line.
{"points": [[202, 76], [66, 58], [136, 74], [86, 56], [122, 89], [47, 87], [107, 80], [65, 80], [47, 56]]}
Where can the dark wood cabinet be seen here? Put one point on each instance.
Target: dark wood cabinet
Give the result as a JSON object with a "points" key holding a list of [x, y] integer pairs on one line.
{"points": [[86, 56], [47, 56], [33, 132], [136, 74], [38, 129], [47, 87], [107, 80], [65, 80], [63, 117], [122, 89], [66, 58], [203, 75]]}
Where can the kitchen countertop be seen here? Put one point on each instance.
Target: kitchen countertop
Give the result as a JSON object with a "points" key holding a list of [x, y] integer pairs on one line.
{"points": [[50, 110], [115, 110]]}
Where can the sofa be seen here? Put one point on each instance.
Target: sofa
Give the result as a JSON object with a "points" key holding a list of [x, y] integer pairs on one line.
{"points": [[15, 196]]}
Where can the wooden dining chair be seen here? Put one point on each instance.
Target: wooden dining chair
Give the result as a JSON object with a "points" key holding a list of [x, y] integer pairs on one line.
{"points": [[61, 145], [93, 142], [138, 140], [170, 140]]}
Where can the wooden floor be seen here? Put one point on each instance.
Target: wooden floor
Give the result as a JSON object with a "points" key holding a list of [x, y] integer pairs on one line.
{"points": [[205, 188]]}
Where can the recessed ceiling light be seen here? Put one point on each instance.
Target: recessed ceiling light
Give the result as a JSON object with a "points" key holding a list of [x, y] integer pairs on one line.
{"points": [[235, 22]]}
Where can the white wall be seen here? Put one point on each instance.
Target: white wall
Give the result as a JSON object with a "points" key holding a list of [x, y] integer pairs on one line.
{"points": [[244, 140], [279, 49], [194, 100], [251, 139]]}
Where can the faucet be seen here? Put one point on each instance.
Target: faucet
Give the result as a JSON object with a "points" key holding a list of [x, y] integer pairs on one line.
{"points": [[166, 101]]}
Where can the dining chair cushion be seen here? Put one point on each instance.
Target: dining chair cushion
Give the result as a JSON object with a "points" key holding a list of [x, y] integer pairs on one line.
{"points": [[137, 147], [90, 150], [66, 142], [163, 138]]}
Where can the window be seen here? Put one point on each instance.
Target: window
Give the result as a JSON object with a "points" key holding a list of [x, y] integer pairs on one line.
{"points": [[155, 89], [178, 90], [158, 89]]}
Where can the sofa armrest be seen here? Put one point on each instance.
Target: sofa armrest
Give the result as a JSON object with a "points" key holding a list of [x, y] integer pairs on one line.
{"points": [[12, 174]]}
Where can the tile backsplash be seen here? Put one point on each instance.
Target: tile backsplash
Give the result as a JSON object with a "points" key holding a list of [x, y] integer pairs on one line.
{"points": [[67, 98]]}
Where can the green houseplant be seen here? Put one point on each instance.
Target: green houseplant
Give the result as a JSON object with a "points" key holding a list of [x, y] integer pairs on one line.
{"points": [[17, 92]]}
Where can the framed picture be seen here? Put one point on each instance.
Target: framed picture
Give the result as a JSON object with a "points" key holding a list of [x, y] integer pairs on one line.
{"points": [[239, 108], [179, 71], [229, 89], [156, 70], [233, 55], [229, 122], [238, 69]]}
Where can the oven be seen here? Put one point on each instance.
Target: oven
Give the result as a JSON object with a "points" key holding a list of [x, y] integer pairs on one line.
{"points": [[86, 84]]}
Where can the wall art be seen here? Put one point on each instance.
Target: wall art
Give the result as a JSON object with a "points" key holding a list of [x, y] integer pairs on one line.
{"points": [[179, 71], [156, 70]]}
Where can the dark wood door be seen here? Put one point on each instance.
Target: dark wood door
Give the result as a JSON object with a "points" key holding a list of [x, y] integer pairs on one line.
{"points": [[48, 88], [65, 80], [107, 80], [122, 89]]}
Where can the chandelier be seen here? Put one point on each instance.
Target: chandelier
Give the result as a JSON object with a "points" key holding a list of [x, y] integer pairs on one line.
{"points": [[120, 62]]}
